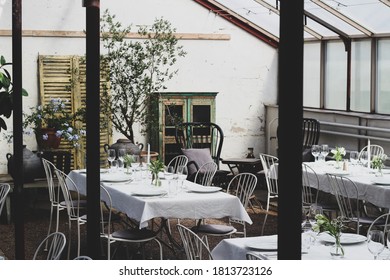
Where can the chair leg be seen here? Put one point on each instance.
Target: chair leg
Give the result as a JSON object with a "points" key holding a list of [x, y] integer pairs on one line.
{"points": [[78, 238], [70, 238], [161, 249], [49, 229], [266, 216]]}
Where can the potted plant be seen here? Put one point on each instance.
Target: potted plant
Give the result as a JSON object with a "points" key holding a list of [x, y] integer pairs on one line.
{"points": [[138, 69], [52, 122], [6, 92], [156, 166]]}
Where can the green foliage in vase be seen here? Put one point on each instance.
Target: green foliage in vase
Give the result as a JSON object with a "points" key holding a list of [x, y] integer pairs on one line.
{"points": [[138, 71], [378, 161], [156, 166], [338, 153]]}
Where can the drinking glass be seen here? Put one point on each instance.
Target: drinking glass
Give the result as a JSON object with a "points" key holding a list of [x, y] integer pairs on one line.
{"points": [[111, 157], [375, 242], [315, 151], [182, 172], [169, 174], [364, 158], [314, 210], [353, 157], [121, 154], [324, 151]]}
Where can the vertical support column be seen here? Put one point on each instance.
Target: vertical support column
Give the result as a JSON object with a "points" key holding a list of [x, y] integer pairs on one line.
{"points": [[18, 205], [93, 125], [290, 128]]}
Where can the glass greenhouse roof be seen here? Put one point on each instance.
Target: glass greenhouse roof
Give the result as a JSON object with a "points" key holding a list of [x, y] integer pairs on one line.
{"points": [[355, 18]]}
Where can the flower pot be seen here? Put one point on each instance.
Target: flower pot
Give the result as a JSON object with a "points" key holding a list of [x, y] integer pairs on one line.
{"points": [[130, 147], [144, 156], [32, 165], [47, 139]]}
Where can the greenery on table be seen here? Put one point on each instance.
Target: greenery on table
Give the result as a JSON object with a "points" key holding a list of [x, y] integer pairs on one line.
{"points": [[378, 161], [138, 69], [338, 153], [332, 227], [155, 167], [6, 92]]}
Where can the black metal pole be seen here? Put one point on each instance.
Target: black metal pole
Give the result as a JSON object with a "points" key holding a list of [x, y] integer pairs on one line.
{"points": [[18, 208], [290, 127], [93, 129]]}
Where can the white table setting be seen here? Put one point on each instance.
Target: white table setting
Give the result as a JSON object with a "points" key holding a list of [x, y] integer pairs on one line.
{"points": [[141, 201], [355, 248]]}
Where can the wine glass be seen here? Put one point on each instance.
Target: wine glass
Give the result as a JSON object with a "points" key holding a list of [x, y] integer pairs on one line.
{"points": [[111, 157], [314, 210], [324, 151], [315, 151], [364, 158], [353, 157], [375, 242], [121, 155]]}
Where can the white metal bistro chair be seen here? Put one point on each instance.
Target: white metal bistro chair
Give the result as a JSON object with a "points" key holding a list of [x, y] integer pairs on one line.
{"points": [[4, 190], [347, 196], [129, 235], [270, 167], [56, 241], [177, 161], [54, 194], [310, 192], [242, 185], [204, 176], [375, 150], [71, 195], [194, 247], [251, 256]]}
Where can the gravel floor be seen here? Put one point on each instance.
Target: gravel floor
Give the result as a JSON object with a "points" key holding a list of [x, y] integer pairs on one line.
{"points": [[37, 221]]}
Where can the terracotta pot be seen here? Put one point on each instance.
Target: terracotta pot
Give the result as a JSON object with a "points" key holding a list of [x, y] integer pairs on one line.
{"points": [[144, 155], [52, 141]]}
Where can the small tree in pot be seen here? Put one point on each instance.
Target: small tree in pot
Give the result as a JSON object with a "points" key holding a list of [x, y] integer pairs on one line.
{"points": [[137, 70]]}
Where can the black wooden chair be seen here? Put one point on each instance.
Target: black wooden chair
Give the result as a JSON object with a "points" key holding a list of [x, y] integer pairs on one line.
{"points": [[201, 142], [311, 135]]}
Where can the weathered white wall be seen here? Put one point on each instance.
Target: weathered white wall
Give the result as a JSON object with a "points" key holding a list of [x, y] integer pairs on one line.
{"points": [[242, 70]]}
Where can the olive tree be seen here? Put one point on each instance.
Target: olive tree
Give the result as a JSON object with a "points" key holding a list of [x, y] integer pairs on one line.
{"points": [[138, 70]]}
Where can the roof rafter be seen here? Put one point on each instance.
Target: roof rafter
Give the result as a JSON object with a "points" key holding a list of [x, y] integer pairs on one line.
{"points": [[276, 11], [343, 17], [386, 2], [240, 21]]}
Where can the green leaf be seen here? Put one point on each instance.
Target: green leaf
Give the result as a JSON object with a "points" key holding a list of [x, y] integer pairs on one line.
{"points": [[2, 124], [24, 92], [2, 60]]}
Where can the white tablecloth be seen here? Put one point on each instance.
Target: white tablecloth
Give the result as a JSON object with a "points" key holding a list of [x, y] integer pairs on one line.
{"points": [[236, 249], [378, 195], [183, 205]]}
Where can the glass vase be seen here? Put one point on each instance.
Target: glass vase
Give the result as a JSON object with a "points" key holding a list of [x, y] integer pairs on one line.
{"points": [[336, 250], [378, 172], [156, 181]]}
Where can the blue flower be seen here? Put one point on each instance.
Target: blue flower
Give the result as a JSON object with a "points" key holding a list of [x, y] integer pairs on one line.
{"points": [[45, 137]]}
